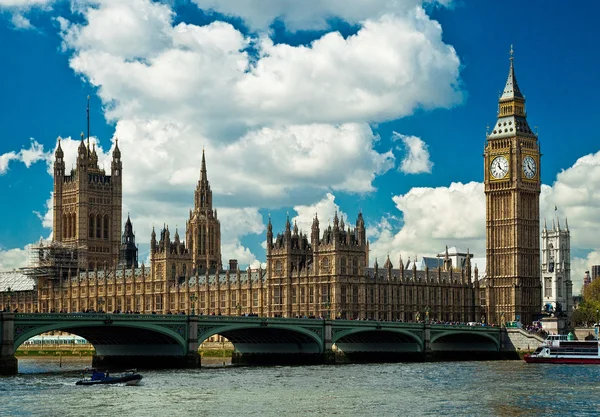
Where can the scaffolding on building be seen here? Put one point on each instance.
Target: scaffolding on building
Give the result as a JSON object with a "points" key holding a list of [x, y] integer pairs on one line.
{"points": [[54, 260]]}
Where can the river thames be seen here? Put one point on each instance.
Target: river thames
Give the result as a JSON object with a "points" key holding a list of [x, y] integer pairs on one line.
{"points": [[493, 388]]}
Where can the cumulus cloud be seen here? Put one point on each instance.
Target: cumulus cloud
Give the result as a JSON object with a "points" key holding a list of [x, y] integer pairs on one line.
{"points": [[13, 259], [429, 219], [281, 124], [17, 10], [325, 209], [29, 156], [416, 159], [307, 14]]}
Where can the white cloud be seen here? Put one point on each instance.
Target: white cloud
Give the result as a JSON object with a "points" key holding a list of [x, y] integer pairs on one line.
{"points": [[416, 160], [29, 156], [325, 209], [307, 14], [25, 3], [430, 219], [21, 22], [13, 259], [281, 124]]}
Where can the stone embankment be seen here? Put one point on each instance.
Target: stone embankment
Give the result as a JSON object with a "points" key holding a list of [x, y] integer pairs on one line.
{"points": [[519, 340]]}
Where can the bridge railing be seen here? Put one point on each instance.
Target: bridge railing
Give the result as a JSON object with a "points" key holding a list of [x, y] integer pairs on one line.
{"points": [[96, 316]]}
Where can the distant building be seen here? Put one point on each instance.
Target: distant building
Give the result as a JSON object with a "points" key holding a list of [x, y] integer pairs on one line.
{"points": [[557, 287], [595, 272]]}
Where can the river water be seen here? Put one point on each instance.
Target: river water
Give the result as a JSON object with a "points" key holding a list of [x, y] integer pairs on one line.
{"points": [[494, 388]]}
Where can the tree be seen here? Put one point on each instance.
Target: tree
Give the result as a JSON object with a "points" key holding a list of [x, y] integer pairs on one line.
{"points": [[588, 311]]}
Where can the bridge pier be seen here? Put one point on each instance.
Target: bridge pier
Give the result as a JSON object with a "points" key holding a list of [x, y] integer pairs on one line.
{"points": [[8, 362], [328, 353]]}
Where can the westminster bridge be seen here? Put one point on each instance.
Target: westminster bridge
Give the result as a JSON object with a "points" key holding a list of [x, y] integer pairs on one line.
{"points": [[144, 340]]}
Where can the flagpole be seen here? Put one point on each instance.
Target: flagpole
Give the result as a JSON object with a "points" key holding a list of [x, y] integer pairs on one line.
{"points": [[88, 120]]}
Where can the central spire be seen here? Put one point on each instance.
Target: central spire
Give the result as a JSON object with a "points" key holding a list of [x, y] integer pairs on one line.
{"points": [[511, 89], [512, 118], [203, 177]]}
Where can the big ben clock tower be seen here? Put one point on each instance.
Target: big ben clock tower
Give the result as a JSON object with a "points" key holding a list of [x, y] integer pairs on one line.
{"points": [[512, 189]]}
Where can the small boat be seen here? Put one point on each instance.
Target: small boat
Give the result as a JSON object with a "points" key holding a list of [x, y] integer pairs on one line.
{"points": [[563, 349], [96, 377]]}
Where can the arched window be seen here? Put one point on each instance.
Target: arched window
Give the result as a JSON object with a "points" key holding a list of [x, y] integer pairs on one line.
{"points": [[91, 226], [98, 226], [278, 267], [325, 263], [106, 223], [343, 265], [173, 271]]}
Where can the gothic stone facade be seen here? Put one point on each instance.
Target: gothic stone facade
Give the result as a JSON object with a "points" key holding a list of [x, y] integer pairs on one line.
{"points": [[88, 205], [327, 276], [512, 190]]}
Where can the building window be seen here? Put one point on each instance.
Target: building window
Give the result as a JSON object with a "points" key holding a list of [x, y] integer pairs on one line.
{"points": [[278, 267], [106, 222], [371, 296], [223, 300], [325, 293], [184, 270], [277, 295], [311, 294], [325, 264], [173, 272], [355, 265], [548, 287], [343, 265], [293, 295], [255, 298], [302, 295], [233, 300], [98, 226], [91, 226], [343, 293], [355, 294], [158, 303]]}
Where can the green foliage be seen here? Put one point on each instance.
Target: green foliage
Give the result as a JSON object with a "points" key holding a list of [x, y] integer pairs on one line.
{"points": [[588, 311], [591, 293]]}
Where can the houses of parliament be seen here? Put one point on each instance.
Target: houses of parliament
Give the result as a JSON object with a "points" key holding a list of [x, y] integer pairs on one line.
{"points": [[93, 265]]}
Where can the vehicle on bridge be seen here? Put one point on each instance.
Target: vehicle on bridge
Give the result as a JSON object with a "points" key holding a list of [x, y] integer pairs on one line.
{"points": [[96, 377]]}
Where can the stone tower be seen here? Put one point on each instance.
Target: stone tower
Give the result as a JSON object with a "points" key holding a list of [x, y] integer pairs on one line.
{"points": [[128, 255], [512, 189], [203, 229], [87, 205], [557, 286]]}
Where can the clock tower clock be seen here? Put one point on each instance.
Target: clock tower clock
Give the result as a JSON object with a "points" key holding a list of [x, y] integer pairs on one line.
{"points": [[512, 189]]}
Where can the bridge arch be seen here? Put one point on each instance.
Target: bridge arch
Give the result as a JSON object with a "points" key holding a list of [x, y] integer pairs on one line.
{"points": [[266, 338], [465, 340], [123, 338], [401, 339]]}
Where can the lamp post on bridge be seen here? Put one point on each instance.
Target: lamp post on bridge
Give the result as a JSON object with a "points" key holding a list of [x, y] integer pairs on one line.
{"points": [[328, 308], [193, 299], [427, 314], [9, 294]]}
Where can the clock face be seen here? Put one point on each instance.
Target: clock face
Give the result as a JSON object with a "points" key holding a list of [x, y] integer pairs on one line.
{"points": [[529, 167], [499, 167]]}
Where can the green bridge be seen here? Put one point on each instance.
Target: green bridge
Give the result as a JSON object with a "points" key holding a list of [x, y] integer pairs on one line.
{"points": [[139, 340]]}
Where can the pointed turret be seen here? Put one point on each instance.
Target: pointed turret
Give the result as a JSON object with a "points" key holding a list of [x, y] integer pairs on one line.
{"points": [[336, 221], [59, 152], [116, 152], [512, 118], [295, 228], [203, 176], [567, 224], [511, 89], [128, 254]]}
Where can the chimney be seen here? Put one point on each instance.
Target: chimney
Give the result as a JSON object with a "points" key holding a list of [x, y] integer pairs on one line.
{"points": [[233, 265]]}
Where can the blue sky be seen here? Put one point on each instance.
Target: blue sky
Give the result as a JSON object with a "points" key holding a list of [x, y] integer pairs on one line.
{"points": [[430, 75]]}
